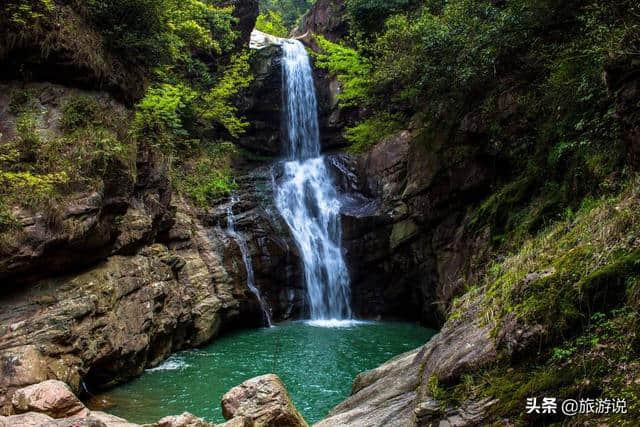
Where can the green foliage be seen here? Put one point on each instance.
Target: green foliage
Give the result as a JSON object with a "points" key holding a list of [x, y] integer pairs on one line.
{"points": [[370, 131], [39, 167], [161, 113], [207, 176], [156, 32], [79, 112], [22, 14], [271, 22], [218, 103], [290, 10], [133, 29], [351, 69], [21, 101], [7, 220], [368, 14]]}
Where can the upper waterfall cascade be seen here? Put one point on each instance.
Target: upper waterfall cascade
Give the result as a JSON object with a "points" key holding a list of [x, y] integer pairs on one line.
{"points": [[306, 197]]}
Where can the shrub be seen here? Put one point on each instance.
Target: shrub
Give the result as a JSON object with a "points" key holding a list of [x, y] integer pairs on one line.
{"points": [[351, 69], [208, 176], [136, 30], [271, 22], [161, 113], [79, 112], [372, 130], [218, 104]]}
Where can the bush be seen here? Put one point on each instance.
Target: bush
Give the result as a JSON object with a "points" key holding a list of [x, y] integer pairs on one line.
{"points": [[218, 104], [372, 130], [79, 112], [351, 69], [135, 30], [207, 176], [271, 22], [161, 113]]}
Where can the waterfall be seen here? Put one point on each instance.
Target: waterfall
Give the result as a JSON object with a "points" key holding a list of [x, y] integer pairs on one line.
{"points": [[246, 258], [306, 197]]}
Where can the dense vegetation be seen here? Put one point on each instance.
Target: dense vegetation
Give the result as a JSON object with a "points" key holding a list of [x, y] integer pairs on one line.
{"points": [[184, 54], [285, 12], [531, 72], [541, 82]]}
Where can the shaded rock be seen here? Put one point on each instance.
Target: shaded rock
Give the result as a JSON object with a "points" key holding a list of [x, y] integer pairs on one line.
{"points": [[265, 400], [126, 210], [53, 398], [246, 12], [108, 324], [326, 17], [261, 102]]}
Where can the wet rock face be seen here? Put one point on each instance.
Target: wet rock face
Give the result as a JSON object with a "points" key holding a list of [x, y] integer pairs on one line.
{"points": [[273, 252], [261, 103], [411, 253], [265, 401]]}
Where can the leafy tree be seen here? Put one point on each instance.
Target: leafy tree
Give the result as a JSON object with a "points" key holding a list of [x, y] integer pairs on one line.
{"points": [[271, 22], [290, 10]]}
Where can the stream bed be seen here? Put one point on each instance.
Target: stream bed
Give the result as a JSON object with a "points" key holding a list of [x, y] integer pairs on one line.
{"points": [[317, 364]]}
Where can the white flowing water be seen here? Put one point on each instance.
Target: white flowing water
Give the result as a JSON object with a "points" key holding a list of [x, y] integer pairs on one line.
{"points": [[306, 197], [246, 258]]}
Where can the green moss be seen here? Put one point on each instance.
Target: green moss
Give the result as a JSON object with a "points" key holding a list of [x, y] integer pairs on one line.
{"points": [[607, 286], [372, 130], [79, 112], [207, 176], [22, 101], [348, 66]]}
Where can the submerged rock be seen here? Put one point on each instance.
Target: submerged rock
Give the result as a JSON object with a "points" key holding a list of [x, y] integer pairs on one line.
{"points": [[265, 401]]}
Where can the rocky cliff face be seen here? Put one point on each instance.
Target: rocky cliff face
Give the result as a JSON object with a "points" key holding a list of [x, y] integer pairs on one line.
{"points": [[106, 324], [326, 17], [410, 255]]}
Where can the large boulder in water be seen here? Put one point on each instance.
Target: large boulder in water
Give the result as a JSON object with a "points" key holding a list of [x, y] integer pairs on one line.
{"points": [[263, 399]]}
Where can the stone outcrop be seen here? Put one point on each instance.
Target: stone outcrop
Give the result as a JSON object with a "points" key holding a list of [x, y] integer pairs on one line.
{"points": [[398, 394], [410, 255], [105, 325], [261, 103], [326, 17], [126, 211], [184, 420], [265, 401]]}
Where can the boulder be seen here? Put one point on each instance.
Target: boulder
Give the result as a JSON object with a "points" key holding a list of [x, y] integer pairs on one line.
{"points": [[30, 419], [184, 420], [53, 398], [265, 401]]}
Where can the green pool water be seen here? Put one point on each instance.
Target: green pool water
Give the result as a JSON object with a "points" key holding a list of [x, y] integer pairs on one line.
{"points": [[317, 364]]}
